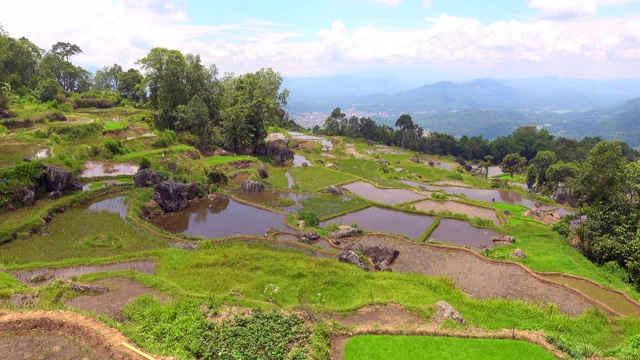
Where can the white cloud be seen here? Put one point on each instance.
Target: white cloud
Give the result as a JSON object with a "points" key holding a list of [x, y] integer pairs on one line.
{"points": [[564, 9], [426, 3]]}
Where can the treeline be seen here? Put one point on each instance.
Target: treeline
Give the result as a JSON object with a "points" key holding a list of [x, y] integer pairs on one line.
{"points": [[205, 109]]}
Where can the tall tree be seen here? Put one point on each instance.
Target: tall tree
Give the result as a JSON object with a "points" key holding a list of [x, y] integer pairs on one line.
{"points": [[513, 164], [405, 123]]}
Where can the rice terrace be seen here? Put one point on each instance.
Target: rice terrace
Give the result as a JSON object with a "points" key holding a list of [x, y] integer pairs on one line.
{"points": [[171, 212]]}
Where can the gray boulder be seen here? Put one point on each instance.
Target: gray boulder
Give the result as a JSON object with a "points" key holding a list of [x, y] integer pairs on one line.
{"points": [[517, 253], [55, 195], [277, 149], [251, 186], [343, 233], [263, 172], [171, 195], [146, 178], [415, 159], [444, 311], [309, 235], [381, 256], [195, 190], [55, 178], [350, 257], [334, 190], [28, 196]]}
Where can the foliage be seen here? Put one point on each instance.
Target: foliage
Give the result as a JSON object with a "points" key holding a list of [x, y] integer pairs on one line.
{"points": [[561, 228], [310, 218]]}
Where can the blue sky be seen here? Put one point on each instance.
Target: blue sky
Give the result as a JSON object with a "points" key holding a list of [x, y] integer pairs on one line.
{"points": [[425, 39]]}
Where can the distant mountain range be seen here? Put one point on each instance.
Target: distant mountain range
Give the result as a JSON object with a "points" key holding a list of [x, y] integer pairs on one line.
{"points": [[567, 107]]}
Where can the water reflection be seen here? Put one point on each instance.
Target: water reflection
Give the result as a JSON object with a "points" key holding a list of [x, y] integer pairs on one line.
{"points": [[220, 216], [385, 196], [391, 221], [489, 195], [116, 205], [460, 232], [103, 168]]}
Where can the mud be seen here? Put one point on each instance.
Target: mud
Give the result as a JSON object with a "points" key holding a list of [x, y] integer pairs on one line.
{"points": [[41, 345], [46, 276], [385, 196], [121, 292], [91, 332], [480, 277], [458, 208]]}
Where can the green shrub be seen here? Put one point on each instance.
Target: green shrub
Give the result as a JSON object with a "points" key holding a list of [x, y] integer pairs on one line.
{"points": [[561, 228], [114, 146], [439, 195], [310, 218], [145, 163]]}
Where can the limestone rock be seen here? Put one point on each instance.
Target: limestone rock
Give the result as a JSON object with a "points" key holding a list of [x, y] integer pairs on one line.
{"points": [[381, 256], [55, 178], [415, 159], [383, 161], [309, 235], [263, 172], [350, 257], [146, 178], [171, 195], [517, 253], [444, 311], [502, 239], [28, 196], [74, 185], [343, 233], [278, 149], [251, 186], [55, 195], [334, 190], [195, 190]]}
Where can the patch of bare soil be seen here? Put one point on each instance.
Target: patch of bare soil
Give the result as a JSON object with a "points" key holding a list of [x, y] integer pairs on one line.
{"points": [[480, 277], [42, 345], [458, 208], [351, 150], [121, 292], [102, 339]]}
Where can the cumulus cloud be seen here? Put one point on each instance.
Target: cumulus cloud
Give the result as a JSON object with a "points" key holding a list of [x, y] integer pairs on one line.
{"points": [[564, 9]]}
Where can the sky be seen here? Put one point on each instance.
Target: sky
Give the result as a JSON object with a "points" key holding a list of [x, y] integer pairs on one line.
{"points": [[413, 39]]}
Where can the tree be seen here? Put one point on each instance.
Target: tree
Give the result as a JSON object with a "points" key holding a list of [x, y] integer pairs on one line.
{"points": [[131, 85], [108, 78], [194, 118], [65, 50], [331, 124], [602, 176], [405, 123], [542, 161], [513, 164], [532, 173]]}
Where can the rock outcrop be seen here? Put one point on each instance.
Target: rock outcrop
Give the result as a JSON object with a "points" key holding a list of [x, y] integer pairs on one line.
{"points": [[277, 149], [502, 240], [55, 178], [263, 172], [517, 253], [381, 256], [195, 190], [28, 196], [350, 257], [307, 237], [55, 195], [146, 178], [171, 195], [444, 311], [251, 186], [334, 190], [343, 233], [415, 159]]}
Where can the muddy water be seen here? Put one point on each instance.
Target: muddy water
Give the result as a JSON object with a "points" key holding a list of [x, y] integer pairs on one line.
{"points": [[116, 205], [270, 198], [477, 276], [412, 183], [143, 266], [385, 196], [103, 168], [458, 208], [460, 232], [326, 144], [391, 221], [612, 299], [298, 160], [10, 153], [219, 217], [489, 195]]}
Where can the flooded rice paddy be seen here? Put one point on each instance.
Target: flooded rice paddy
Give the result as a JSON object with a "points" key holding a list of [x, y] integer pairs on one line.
{"points": [[385, 196], [327, 145], [116, 205], [298, 160], [489, 195], [380, 219], [458, 208], [45, 276], [219, 216], [103, 168], [270, 198], [460, 232], [10, 153]]}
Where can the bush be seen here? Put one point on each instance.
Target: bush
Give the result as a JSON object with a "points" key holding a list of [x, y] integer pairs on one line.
{"points": [[310, 218], [561, 228], [145, 163], [166, 139], [114, 146]]}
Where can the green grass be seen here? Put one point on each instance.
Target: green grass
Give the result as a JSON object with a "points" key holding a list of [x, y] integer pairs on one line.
{"points": [[382, 347], [135, 156], [9, 285], [216, 160], [314, 178], [78, 234], [365, 169], [115, 126], [333, 205], [519, 178]]}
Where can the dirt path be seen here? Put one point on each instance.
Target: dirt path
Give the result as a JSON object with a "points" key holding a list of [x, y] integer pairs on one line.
{"points": [[94, 333], [393, 319], [483, 278]]}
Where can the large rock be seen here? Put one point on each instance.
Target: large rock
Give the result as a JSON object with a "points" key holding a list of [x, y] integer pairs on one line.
{"points": [[251, 186], [381, 256], [502, 240], [146, 178], [444, 311], [517, 253], [263, 172], [415, 159], [277, 149], [55, 178], [195, 190], [307, 237], [74, 185], [343, 233], [350, 257], [334, 190], [171, 195], [28, 196]]}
